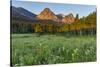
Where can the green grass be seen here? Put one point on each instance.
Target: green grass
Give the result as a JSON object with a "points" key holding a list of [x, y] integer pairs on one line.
{"points": [[33, 49]]}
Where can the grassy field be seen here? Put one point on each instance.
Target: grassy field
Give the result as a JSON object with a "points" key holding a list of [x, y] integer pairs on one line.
{"points": [[33, 49]]}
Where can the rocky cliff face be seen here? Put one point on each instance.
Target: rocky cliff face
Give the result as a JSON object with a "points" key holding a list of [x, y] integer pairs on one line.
{"points": [[60, 17], [68, 19], [47, 14]]}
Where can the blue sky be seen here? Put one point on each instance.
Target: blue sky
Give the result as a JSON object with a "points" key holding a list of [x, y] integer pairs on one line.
{"points": [[37, 7]]}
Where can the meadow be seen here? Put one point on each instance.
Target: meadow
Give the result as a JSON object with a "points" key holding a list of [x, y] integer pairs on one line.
{"points": [[36, 49]]}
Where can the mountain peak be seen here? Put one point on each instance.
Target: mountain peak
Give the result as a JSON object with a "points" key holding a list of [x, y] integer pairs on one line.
{"points": [[69, 15], [47, 9], [47, 14], [68, 18]]}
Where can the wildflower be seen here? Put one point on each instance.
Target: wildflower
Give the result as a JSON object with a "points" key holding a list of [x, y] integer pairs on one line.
{"points": [[76, 50], [40, 44]]}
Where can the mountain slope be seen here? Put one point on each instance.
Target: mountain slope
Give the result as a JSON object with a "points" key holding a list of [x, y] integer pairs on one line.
{"points": [[21, 13]]}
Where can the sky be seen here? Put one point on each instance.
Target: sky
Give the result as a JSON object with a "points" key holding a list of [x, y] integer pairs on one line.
{"points": [[37, 7]]}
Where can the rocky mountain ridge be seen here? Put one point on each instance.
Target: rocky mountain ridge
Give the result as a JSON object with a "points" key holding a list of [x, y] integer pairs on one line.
{"points": [[46, 14]]}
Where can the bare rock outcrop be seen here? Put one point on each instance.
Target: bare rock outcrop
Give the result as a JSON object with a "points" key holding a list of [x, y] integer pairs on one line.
{"points": [[68, 18]]}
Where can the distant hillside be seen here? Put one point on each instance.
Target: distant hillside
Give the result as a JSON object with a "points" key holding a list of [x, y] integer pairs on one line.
{"points": [[21, 13]]}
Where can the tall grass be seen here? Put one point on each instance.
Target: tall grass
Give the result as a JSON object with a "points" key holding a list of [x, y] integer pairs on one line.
{"points": [[33, 49]]}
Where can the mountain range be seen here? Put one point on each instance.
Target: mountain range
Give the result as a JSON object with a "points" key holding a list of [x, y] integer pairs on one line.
{"points": [[46, 14]]}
